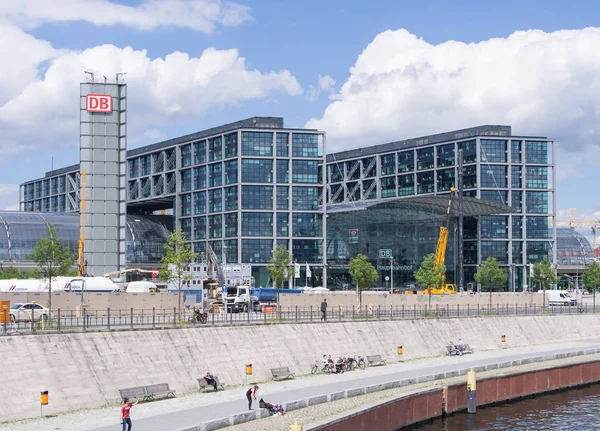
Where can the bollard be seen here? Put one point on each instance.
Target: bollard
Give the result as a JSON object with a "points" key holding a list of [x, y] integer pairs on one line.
{"points": [[248, 372], [400, 351], [503, 341], [43, 401], [295, 426], [471, 392]]}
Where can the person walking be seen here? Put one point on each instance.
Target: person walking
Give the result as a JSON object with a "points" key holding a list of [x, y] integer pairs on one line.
{"points": [[251, 394], [125, 413], [324, 309]]}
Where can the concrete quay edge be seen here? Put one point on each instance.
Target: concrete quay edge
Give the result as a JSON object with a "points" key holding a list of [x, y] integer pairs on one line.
{"points": [[323, 398]]}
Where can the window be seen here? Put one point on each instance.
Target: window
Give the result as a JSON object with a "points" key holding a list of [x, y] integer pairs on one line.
{"points": [[283, 224], [231, 168], [425, 158], [215, 149], [445, 155], [307, 250], [498, 196], [282, 144], [256, 250], [470, 177], [199, 227], [133, 168], [369, 166], [186, 180], [517, 227], [493, 176], [388, 164], [537, 251], [186, 204], [515, 151], [537, 227], [470, 252], [199, 203], [215, 175], [231, 145], [186, 155], [200, 177], [369, 189], [493, 151], [231, 198], [282, 171], [186, 227], [306, 172], [494, 227], [515, 177], [497, 249], [257, 171], [215, 198], [282, 198], [336, 170], [305, 145], [469, 149], [536, 152], [406, 185], [257, 144], [445, 179], [146, 166], [517, 252], [257, 224], [516, 201], [305, 198], [257, 197], [352, 170], [306, 224], [425, 182], [537, 202], [388, 187], [230, 225], [232, 250], [536, 177], [215, 229], [199, 152]]}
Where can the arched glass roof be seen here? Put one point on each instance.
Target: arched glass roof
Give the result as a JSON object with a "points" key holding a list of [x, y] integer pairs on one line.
{"points": [[572, 248], [19, 232]]}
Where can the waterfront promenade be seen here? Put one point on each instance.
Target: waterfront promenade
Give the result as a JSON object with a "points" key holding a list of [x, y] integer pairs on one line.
{"points": [[187, 411]]}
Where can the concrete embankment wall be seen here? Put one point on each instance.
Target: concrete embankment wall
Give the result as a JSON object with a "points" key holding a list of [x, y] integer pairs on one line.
{"points": [[420, 406], [82, 370]]}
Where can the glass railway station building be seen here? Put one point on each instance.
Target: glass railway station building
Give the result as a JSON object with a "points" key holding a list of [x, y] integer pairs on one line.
{"points": [[247, 186]]}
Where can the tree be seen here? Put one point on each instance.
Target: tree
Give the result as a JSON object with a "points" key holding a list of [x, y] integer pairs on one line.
{"points": [[10, 272], [175, 264], [543, 273], [280, 268], [490, 276], [53, 258], [363, 273], [429, 274], [591, 277]]}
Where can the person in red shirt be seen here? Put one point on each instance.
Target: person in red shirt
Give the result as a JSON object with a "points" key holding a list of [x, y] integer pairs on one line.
{"points": [[125, 410]]}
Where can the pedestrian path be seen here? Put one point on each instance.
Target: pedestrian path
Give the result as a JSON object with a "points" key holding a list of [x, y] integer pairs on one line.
{"points": [[192, 409]]}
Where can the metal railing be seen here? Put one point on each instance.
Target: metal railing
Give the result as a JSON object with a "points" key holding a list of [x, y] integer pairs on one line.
{"points": [[130, 319]]}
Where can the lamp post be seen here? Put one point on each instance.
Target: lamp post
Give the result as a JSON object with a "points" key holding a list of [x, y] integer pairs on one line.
{"points": [[391, 275]]}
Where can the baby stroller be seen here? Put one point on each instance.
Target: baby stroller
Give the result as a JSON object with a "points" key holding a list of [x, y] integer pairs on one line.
{"points": [[274, 409]]}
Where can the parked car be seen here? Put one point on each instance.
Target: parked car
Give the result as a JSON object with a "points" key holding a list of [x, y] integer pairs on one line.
{"points": [[21, 312]]}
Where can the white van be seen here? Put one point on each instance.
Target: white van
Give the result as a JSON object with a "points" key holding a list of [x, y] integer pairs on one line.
{"points": [[141, 287], [560, 297]]}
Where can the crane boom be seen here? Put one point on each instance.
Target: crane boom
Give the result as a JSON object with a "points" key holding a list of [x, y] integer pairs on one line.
{"points": [[80, 258]]}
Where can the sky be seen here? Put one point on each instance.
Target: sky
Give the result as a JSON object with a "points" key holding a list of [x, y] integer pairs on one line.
{"points": [[365, 73]]}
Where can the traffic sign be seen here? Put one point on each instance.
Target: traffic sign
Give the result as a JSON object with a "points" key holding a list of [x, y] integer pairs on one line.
{"points": [[385, 253], [224, 288]]}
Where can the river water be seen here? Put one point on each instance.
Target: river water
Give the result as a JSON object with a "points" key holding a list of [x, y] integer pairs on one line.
{"points": [[571, 410]]}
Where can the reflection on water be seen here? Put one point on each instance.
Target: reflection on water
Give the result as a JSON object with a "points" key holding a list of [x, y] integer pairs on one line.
{"points": [[575, 409]]}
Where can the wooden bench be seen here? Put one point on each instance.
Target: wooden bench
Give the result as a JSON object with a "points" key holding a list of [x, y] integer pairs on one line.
{"points": [[204, 384], [134, 392], [282, 372], [158, 389], [375, 360]]}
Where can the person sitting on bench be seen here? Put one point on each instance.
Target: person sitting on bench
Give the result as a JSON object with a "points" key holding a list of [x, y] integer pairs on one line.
{"points": [[210, 379]]}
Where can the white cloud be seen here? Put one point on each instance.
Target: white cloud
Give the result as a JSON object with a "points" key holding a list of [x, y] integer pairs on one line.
{"points": [[403, 87], [40, 109], [324, 85], [9, 197], [199, 15]]}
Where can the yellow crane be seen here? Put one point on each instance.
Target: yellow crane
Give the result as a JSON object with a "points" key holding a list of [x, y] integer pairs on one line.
{"points": [[440, 252], [573, 224], [81, 264]]}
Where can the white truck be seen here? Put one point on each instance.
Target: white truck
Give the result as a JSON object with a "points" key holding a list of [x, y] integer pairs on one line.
{"points": [[560, 297], [237, 299]]}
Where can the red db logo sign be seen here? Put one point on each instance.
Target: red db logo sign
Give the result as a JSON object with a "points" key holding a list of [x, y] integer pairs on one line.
{"points": [[98, 103]]}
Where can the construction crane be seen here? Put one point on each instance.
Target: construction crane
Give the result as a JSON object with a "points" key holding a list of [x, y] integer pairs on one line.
{"points": [[81, 263], [573, 224], [440, 252]]}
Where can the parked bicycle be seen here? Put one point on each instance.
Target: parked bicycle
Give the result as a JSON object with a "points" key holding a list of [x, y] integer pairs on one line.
{"points": [[354, 362], [321, 367], [457, 350], [198, 317]]}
